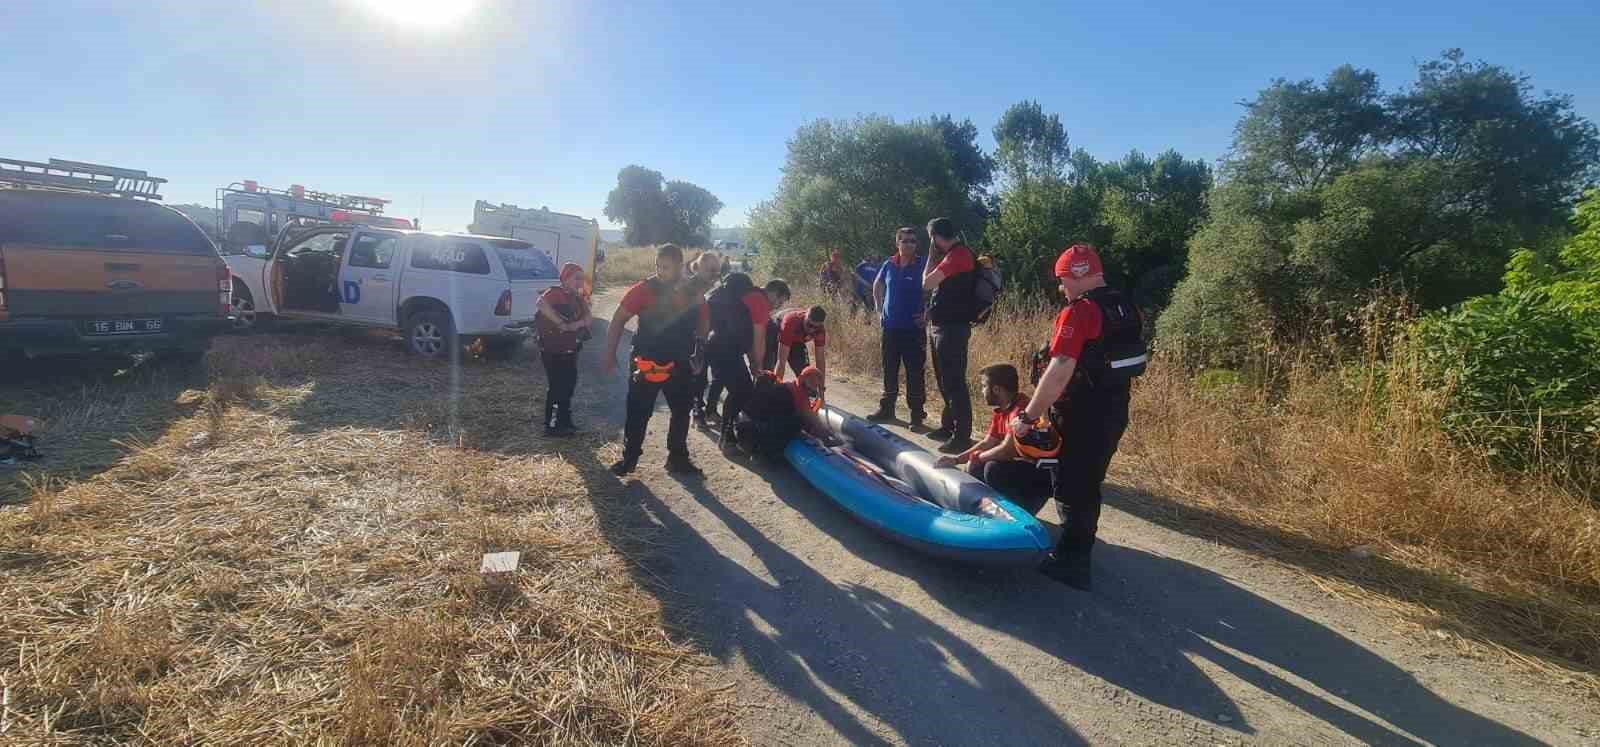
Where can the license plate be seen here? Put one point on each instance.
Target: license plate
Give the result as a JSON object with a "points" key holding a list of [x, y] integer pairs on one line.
{"points": [[126, 327]]}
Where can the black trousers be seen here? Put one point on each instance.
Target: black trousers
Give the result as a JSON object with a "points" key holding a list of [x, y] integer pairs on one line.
{"points": [[908, 348], [561, 371], [950, 372], [768, 437], [1026, 484], [732, 372], [1090, 436], [679, 390]]}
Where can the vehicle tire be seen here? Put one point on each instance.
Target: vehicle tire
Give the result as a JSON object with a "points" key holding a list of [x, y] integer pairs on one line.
{"points": [[503, 348], [431, 335], [245, 317]]}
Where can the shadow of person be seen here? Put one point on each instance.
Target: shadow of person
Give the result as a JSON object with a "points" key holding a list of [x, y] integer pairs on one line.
{"points": [[1152, 616], [866, 664], [847, 652]]}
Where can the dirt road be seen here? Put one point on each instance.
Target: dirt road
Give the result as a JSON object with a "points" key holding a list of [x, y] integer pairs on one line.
{"points": [[832, 635]]}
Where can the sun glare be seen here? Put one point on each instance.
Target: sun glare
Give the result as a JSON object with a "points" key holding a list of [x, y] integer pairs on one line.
{"points": [[422, 13]]}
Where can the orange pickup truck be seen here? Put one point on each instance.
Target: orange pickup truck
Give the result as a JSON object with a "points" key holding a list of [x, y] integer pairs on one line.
{"points": [[82, 272]]}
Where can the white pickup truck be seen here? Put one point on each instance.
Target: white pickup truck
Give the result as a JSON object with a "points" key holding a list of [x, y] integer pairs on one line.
{"points": [[437, 289]]}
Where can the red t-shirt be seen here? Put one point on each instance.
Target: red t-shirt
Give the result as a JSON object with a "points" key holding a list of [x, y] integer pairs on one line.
{"points": [[1000, 424], [797, 392], [640, 297], [957, 261], [760, 308], [792, 330], [1077, 325]]}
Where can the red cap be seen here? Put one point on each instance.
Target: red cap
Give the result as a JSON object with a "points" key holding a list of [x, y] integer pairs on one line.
{"points": [[811, 377], [1079, 261], [568, 269]]}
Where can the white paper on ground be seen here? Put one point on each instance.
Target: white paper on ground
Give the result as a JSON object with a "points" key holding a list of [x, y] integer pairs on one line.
{"points": [[500, 562]]}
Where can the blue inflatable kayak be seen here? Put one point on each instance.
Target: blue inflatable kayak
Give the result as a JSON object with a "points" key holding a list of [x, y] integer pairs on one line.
{"points": [[892, 485]]}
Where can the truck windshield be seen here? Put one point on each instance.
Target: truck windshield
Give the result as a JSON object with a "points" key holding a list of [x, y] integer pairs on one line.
{"points": [[522, 261]]}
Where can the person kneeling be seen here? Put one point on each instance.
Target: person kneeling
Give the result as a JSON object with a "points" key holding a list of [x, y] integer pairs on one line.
{"points": [[1018, 472], [780, 411]]}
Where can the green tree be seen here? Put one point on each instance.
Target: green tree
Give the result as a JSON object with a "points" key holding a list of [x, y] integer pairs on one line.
{"points": [[1300, 135], [638, 203], [1150, 209], [654, 211], [691, 208], [1030, 144], [1037, 218], [1430, 188], [849, 184]]}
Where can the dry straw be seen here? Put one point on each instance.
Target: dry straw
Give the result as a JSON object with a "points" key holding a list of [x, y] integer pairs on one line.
{"points": [[285, 550], [1333, 462]]}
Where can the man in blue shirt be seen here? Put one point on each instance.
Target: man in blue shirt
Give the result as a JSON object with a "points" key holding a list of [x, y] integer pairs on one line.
{"points": [[899, 297]]}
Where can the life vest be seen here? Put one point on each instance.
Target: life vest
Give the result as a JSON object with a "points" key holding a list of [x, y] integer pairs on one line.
{"points": [[1110, 362], [570, 307], [955, 301], [651, 371], [732, 329], [667, 327]]}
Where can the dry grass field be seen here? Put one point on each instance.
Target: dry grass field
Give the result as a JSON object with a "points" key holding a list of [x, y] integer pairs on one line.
{"points": [[285, 548]]}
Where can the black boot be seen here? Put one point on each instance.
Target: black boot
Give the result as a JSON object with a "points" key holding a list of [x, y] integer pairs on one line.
{"points": [[1072, 570], [549, 420], [625, 465], [679, 464], [564, 426], [884, 414]]}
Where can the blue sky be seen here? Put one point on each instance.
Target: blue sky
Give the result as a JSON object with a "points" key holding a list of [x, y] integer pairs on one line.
{"points": [[540, 102]]}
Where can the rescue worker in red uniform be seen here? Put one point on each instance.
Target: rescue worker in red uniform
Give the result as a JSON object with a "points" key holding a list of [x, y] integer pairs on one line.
{"points": [[673, 321], [563, 325], [1096, 350], [1016, 471]]}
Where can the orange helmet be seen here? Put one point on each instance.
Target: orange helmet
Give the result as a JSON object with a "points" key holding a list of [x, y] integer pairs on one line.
{"points": [[1040, 442]]}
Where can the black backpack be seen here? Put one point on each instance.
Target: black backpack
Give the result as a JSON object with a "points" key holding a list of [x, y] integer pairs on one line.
{"points": [[731, 325]]}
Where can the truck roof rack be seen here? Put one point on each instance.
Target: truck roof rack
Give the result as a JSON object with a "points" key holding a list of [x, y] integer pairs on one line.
{"points": [[77, 176], [362, 203]]}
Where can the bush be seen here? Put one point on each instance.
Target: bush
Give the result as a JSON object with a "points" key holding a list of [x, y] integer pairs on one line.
{"points": [[1522, 367]]}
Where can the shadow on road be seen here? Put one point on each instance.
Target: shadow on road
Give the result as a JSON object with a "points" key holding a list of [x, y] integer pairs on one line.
{"points": [[865, 662]]}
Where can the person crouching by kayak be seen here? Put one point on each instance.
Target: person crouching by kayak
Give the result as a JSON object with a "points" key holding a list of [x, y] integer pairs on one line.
{"points": [[672, 319], [739, 313], [1096, 350], [780, 411], [563, 325], [776, 296], [796, 327], [1017, 471]]}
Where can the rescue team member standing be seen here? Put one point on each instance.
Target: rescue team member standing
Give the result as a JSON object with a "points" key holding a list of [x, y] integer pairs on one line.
{"points": [[796, 327], [830, 276], [739, 314], [704, 272], [777, 291], [563, 325], [672, 319], [951, 275], [897, 294], [1096, 350], [996, 460]]}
